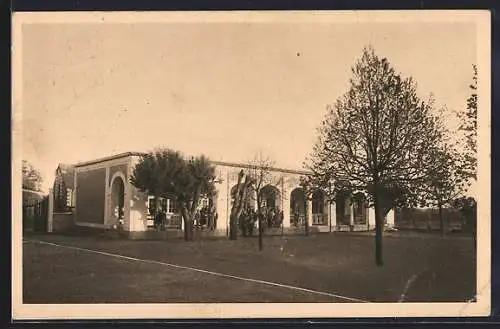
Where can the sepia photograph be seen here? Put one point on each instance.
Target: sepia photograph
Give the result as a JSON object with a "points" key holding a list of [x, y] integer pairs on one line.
{"points": [[249, 164]]}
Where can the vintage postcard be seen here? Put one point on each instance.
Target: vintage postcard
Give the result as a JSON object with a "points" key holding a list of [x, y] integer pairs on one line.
{"points": [[279, 164]]}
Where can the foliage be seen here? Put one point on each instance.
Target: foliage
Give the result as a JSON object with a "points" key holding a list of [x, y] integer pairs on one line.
{"points": [[376, 138], [32, 179], [468, 127], [468, 207], [449, 176], [166, 172], [454, 165]]}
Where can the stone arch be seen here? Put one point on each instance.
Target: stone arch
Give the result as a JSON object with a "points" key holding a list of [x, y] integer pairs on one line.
{"points": [[117, 197], [297, 207], [270, 198], [251, 202]]}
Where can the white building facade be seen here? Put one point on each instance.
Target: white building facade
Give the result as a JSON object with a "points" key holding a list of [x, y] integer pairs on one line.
{"points": [[104, 197]]}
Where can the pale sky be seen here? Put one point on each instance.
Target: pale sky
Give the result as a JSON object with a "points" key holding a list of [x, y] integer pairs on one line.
{"points": [[227, 90]]}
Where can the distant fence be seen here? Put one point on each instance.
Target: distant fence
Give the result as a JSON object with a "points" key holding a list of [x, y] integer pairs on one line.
{"points": [[425, 219]]}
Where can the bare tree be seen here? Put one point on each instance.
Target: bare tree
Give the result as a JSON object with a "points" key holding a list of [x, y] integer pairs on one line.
{"points": [[251, 181], [376, 139], [259, 171]]}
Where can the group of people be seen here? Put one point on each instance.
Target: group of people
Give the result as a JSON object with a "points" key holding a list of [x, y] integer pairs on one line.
{"points": [[272, 217], [206, 217], [160, 220]]}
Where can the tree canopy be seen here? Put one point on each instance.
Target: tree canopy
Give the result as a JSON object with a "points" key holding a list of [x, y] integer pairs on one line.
{"points": [[376, 138], [166, 172], [32, 179], [468, 127]]}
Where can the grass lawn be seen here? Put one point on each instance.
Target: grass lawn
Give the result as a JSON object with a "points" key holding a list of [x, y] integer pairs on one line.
{"points": [[417, 269]]}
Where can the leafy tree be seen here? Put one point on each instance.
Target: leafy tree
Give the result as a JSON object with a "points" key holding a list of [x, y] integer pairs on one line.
{"points": [[468, 127], [32, 179], [448, 177], [166, 172], [455, 163], [444, 182], [468, 208], [376, 137]]}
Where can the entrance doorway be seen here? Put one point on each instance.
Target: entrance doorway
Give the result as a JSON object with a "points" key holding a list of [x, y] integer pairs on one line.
{"points": [[118, 200]]}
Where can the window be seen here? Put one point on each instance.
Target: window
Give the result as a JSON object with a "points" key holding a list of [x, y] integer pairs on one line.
{"points": [[318, 203], [151, 206], [172, 206], [69, 197], [166, 204]]}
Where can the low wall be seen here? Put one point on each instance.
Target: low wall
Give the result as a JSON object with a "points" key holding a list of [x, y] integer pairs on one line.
{"points": [[62, 222]]}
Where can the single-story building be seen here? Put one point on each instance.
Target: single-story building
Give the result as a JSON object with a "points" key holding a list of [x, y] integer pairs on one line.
{"points": [[103, 197]]}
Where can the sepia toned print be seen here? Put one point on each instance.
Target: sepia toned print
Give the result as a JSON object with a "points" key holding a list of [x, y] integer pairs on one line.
{"points": [[251, 164]]}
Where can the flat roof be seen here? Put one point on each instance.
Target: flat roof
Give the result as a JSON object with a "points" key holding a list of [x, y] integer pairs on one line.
{"points": [[247, 166], [108, 158], [219, 163]]}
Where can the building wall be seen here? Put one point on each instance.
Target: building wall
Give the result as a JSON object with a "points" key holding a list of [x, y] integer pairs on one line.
{"points": [[118, 169], [93, 192], [228, 177], [90, 191], [138, 201], [94, 195], [62, 222]]}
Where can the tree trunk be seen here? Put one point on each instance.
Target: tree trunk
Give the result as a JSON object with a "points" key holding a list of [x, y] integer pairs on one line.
{"points": [[261, 229], [379, 226], [306, 217], [243, 224], [156, 213], [188, 230], [238, 204], [259, 220], [188, 223], [233, 227], [441, 219]]}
